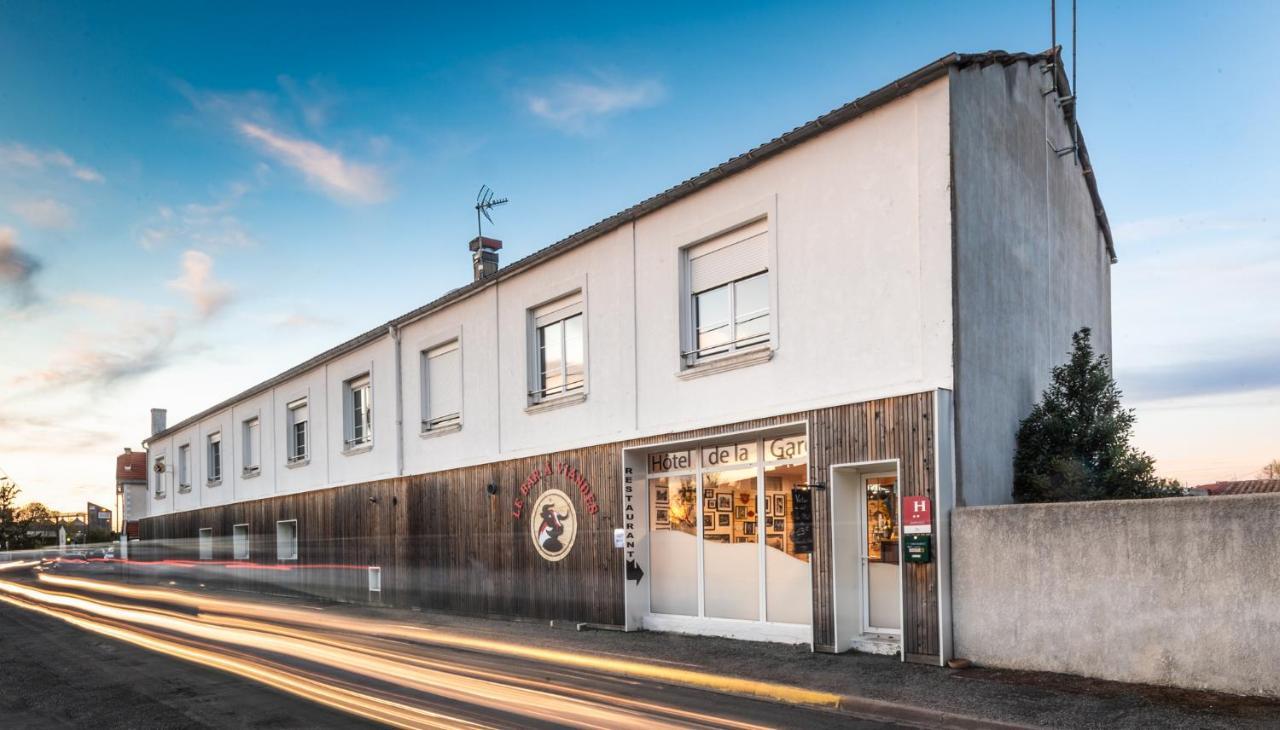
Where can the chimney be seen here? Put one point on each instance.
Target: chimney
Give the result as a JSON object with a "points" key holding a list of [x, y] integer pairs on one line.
{"points": [[128, 450], [157, 420], [484, 256]]}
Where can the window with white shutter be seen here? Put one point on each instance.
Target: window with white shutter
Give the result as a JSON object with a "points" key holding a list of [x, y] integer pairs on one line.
{"points": [[296, 420], [252, 446], [442, 386], [728, 293], [215, 457], [558, 366], [359, 411]]}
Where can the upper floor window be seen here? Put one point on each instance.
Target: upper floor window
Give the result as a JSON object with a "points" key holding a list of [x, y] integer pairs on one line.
{"points": [[159, 475], [215, 456], [296, 423], [728, 293], [442, 386], [184, 468], [358, 411], [559, 347], [252, 447]]}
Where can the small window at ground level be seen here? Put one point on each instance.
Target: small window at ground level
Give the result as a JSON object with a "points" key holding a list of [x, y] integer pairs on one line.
{"points": [[287, 540], [240, 542], [206, 543]]}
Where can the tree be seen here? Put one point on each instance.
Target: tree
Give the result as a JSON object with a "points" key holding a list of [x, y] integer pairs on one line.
{"points": [[1075, 444], [33, 516], [11, 533], [1272, 470]]}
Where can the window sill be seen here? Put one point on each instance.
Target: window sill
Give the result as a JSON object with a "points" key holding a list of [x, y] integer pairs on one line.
{"points": [[550, 404], [723, 363], [160, 496], [297, 463], [214, 482], [440, 430], [357, 448], [250, 473], [186, 489]]}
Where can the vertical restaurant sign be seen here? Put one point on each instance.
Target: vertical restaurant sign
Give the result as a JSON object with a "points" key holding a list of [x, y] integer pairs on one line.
{"points": [[802, 520]]}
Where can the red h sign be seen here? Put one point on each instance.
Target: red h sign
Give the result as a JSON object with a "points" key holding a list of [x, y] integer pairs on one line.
{"points": [[917, 515]]}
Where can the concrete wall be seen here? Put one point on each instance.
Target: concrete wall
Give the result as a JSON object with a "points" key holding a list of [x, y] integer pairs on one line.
{"points": [[1030, 259], [1182, 591], [860, 229]]}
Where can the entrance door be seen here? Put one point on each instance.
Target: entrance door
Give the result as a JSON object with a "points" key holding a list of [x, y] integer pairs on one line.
{"points": [[881, 574]]}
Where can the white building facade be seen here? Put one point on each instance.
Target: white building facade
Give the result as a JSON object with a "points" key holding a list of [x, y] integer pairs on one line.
{"points": [[920, 246]]}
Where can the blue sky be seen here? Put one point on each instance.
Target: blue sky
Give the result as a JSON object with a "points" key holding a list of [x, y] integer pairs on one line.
{"points": [[191, 193]]}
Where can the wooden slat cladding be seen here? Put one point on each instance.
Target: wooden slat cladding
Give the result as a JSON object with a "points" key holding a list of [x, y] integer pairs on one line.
{"points": [[444, 543]]}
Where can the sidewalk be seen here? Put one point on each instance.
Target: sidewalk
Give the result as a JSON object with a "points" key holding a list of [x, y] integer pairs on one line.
{"points": [[883, 686]]}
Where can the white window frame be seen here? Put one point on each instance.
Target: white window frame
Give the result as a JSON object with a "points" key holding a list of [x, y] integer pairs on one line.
{"points": [[764, 211], [281, 553], [204, 537], [555, 311], [240, 541], [251, 453], [214, 466], [292, 457], [184, 468], [361, 382], [430, 421]]}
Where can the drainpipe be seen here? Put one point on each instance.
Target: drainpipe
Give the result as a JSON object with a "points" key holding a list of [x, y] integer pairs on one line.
{"points": [[394, 332]]}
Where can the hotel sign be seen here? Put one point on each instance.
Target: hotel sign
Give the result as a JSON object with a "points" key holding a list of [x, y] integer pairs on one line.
{"points": [[917, 516]]}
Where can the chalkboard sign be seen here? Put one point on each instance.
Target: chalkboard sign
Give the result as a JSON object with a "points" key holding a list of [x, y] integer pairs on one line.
{"points": [[802, 521]]}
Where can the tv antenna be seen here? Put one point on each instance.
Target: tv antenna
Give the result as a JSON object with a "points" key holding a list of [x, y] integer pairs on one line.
{"points": [[485, 202], [1053, 68]]}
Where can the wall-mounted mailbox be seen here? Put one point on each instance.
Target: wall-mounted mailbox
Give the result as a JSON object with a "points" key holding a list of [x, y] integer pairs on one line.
{"points": [[918, 548]]}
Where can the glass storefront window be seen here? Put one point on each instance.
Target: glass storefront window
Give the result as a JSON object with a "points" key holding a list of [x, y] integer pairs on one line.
{"points": [[787, 572], [673, 545], [731, 561], [740, 495]]}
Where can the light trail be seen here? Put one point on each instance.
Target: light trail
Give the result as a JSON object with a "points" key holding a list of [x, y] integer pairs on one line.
{"points": [[18, 564], [330, 695], [503, 692], [388, 629]]}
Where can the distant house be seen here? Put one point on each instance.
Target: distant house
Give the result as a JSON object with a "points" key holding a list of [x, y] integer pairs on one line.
{"points": [[131, 489], [1247, 486]]}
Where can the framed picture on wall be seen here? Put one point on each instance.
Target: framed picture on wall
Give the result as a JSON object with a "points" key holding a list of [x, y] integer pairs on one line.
{"points": [[708, 521], [660, 518], [724, 501], [709, 503], [774, 542], [740, 512], [768, 505], [723, 518], [660, 495], [749, 528], [779, 524], [780, 505]]}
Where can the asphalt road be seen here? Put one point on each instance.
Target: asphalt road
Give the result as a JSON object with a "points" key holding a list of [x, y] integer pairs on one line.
{"points": [[76, 655]]}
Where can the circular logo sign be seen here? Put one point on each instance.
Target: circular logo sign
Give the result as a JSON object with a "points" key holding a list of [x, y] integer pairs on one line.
{"points": [[553, 523]]}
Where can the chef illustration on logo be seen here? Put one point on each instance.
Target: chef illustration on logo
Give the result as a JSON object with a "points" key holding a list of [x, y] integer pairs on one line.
{"points": [[553, 524]]}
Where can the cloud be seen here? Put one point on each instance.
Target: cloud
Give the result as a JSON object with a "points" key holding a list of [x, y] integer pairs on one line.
{"points": [[323, 168], [134, 348], [18, 155], [574, 106], [1249, 371], [45, 213], [313, 100], [17, 268], [212, 226], [197, 281]]}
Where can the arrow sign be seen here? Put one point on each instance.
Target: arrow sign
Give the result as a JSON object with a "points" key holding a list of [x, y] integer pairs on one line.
{"points": [[634, 571]]}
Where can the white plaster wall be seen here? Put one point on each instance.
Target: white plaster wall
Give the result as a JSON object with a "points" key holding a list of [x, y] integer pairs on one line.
{"points": [[860, 219], [377, 359], [314, 472], [473, 322]]}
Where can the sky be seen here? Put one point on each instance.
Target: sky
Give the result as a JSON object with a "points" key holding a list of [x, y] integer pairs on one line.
{"points": [[193, 196]]}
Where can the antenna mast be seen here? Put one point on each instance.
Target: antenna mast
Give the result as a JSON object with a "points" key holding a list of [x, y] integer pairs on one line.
{"points": [[485, 202]]}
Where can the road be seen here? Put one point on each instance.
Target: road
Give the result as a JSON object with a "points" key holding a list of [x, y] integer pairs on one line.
{"points": [[82, 652]]}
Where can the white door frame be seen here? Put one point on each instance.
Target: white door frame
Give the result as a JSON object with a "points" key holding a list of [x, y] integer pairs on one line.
{"points": [[867, 628]]}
